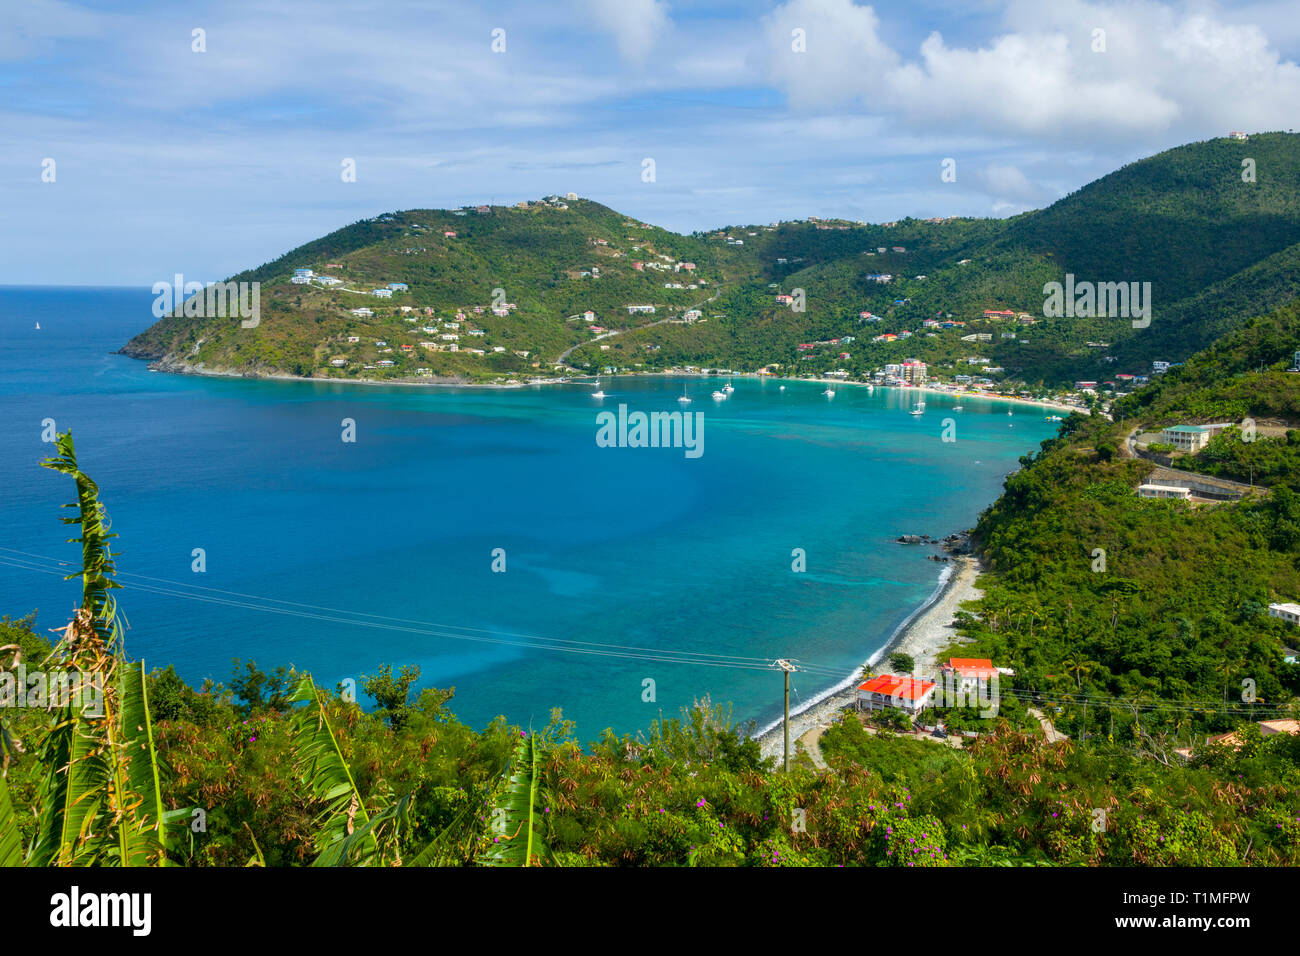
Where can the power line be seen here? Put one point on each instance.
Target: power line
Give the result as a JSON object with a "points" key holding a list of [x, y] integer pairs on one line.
{"points": [[407, 625]]}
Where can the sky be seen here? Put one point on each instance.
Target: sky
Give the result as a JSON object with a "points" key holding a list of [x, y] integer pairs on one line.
{"points": [[133, 147]]}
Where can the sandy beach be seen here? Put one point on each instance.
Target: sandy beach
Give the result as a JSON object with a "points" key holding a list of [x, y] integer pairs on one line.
{"points": [[922, 636], [579, 378]]}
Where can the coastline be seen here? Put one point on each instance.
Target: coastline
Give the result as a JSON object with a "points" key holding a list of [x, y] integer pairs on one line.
{"points": [[579, 378], [925, 632]]}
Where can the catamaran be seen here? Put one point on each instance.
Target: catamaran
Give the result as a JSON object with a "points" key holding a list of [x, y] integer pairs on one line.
{"points": [[684, 398], [727, 388], [719, 396]]}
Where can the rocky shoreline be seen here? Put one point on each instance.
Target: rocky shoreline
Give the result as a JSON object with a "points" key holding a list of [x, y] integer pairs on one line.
{"points": [[922, 637]]}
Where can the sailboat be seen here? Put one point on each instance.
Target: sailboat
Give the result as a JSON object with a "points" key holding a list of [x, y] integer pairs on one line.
{"points": [[918, 409], [830, 392], [38, 326], [684, 398]]}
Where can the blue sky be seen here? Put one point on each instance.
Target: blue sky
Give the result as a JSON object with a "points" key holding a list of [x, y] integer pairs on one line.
{"points": [[169, 160]]}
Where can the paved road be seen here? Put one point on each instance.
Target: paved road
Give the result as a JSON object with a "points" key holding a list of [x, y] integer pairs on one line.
{"points": [[1053, 735]]}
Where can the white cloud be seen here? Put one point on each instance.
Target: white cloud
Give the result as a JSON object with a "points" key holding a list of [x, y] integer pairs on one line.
{"points": [[635, 25], [843, 56], [1166, 69]]}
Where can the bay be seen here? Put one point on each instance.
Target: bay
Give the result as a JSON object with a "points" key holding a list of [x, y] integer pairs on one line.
{"points": [[338, 557]]}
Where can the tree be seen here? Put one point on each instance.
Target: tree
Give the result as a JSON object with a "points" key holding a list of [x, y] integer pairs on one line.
{"points": [[390, 693], [902, 662]]}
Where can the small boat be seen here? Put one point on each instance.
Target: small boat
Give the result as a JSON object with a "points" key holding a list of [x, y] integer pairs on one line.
{"points": [[598, 394], [719, 396], [956, 408], [783, 388], [727, 388], [1008, 413], [1053, 418]]}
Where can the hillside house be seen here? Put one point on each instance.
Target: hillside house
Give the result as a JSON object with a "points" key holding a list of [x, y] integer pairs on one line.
{"points": [[1189, 438], [1164, 491], [1286, 612], [968, 671]]}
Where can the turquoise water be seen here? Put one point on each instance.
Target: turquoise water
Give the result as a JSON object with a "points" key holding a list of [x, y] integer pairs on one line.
{"points": [[615, 548]]}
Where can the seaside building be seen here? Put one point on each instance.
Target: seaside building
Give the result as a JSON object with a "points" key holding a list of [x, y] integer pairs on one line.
{"points": [[913, 372], [909, 694], [968, 671]]}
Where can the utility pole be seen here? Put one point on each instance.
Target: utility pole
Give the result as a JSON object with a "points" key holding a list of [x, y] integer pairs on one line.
{"points": [[787, 666]]}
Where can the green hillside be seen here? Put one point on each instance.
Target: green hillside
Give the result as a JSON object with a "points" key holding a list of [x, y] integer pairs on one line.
{"points": [[1216, 250]]}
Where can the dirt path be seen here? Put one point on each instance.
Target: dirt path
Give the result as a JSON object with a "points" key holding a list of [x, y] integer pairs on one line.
{"points": [[810, 743]]}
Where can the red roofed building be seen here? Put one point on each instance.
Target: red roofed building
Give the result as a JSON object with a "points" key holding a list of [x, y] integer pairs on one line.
{"points": [[970, 669], [909, 694]]}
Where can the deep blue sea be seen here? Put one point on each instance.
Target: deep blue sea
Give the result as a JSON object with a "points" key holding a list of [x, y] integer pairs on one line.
{"points": [[339, 557]]}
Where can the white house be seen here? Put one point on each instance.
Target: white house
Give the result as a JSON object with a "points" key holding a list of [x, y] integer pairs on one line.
{"points": [[1164, 491], [911, 695], [1287, 612]]}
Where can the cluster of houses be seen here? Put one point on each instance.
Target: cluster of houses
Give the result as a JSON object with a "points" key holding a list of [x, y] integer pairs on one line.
{"points": [[308, 277], [912, 695]]}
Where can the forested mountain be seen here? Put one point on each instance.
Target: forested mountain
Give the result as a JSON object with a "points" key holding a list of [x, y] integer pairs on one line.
{"points": [[1218, 242]]}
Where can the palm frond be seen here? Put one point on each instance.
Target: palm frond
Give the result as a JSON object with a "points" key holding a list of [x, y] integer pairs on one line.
{"points": [[141, 764], [11, 843], [319, 763], [516, 841]]}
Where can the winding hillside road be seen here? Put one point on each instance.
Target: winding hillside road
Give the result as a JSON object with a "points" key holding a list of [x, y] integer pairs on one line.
{"points": [[564, 356]]}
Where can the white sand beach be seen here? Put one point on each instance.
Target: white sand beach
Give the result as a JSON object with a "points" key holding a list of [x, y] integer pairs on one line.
{"points": [[922, 637]]}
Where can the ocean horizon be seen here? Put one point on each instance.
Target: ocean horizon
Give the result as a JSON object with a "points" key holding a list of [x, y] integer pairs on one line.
{"points": [[643, 564]]}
